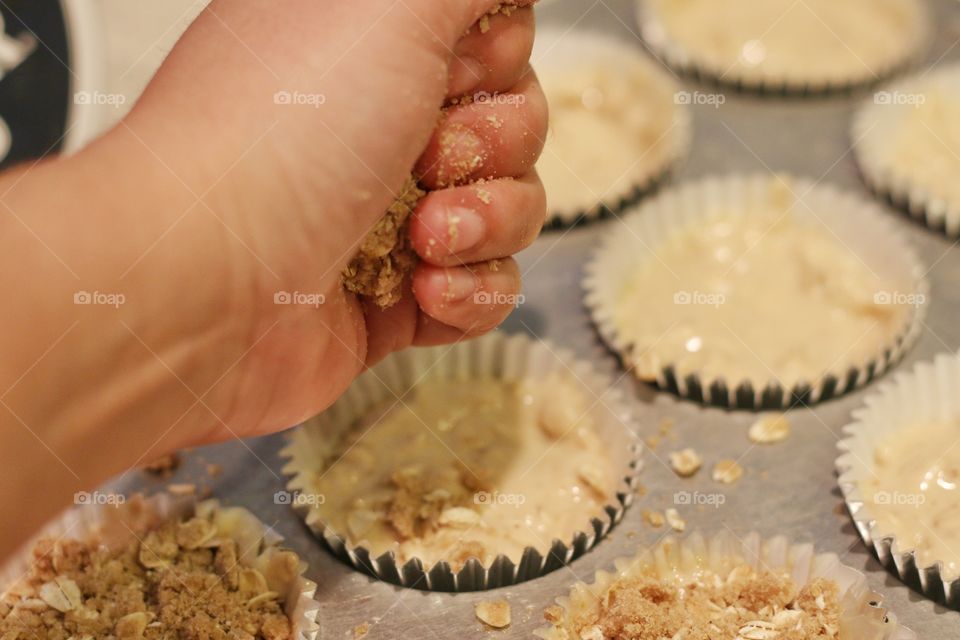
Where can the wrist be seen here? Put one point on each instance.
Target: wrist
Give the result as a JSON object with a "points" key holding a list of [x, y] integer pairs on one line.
{"points": [[124, 283]]}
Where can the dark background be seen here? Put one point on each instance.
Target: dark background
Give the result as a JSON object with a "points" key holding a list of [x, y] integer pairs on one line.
{"points": [[35, 95]]}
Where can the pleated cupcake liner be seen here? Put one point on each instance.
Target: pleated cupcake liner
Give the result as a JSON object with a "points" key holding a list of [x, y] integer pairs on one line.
{"points": [[495, 356], [875, 129], [858, 222], [928, 392], [114, 523], [562, 49], [676, 57], [863, 617]]}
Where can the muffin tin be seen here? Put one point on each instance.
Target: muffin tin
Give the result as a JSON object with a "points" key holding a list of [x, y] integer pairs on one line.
{"points": [[789, 488]]}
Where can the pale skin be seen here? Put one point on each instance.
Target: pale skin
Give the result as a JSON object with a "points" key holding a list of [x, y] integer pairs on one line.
{"points": [[210, 197]]}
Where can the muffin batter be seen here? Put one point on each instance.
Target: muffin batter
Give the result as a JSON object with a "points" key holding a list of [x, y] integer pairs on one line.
{"points": [[832, 40], [924, 149], [610, 130], [465, 469], [756, 295], [913, 492]]}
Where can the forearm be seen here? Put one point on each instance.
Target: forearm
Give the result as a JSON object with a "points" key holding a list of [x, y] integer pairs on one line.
{"points": [[119, 318]]}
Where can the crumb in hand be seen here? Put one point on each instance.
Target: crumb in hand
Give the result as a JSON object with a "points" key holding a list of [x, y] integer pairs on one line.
{"points": [[386, 256]]}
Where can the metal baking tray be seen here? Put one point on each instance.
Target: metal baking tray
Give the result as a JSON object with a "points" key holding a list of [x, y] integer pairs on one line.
{"points": [[789, 488]]}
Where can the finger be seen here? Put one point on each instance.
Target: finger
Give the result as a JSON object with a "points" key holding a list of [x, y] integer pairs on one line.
{"points": [[391, 329], [500, 137], [492, 60], [431, 332], [478, 222], [446, 22], [473, 299]]}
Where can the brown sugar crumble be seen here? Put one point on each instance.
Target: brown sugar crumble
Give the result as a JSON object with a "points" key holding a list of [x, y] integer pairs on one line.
{"points": [[745, 603], [181, 581], [422, 503], [164, 466], [654, 518], [386, 256], [506, 7]]}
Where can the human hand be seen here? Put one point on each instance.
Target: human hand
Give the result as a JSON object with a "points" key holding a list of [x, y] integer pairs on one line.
{"points": [[270, 141], [300, 179]]}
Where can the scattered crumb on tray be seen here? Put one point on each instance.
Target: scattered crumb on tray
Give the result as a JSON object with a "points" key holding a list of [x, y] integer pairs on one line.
{"points": [[769, 429], [163, 466], [686, 462], [493, 613], [666, 425], [727, 471], [654, 518], [674, 520]]}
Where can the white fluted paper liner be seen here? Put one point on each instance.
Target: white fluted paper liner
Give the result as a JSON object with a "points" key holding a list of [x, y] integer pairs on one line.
{"points": [[917, 36], [862, 617], [929, 392], [877, 127], [857, 222], [498, 356], [116, 525], [558, 51]]}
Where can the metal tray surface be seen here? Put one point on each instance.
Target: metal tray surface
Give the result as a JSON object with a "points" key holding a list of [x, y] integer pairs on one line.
{"points": [[789, 488]]}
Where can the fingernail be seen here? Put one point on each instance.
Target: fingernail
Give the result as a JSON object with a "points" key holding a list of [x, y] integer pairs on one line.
{"points": [[462, 152], [461, 285], [465, 229]]}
